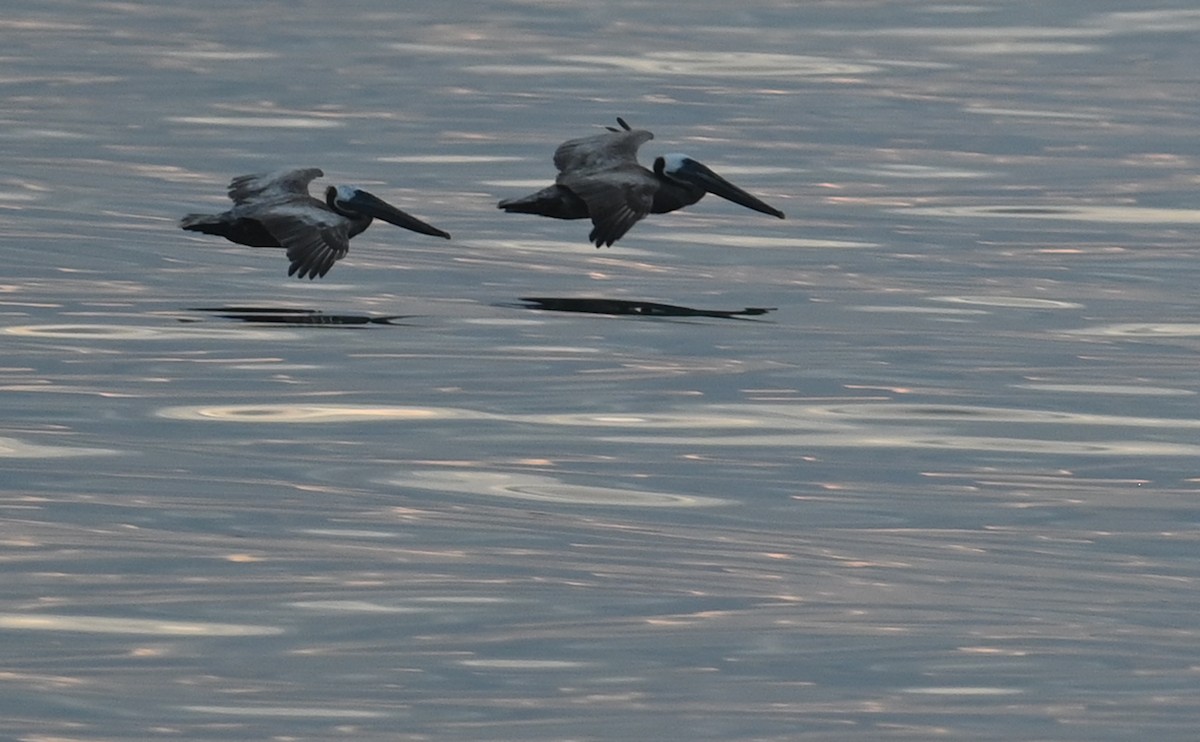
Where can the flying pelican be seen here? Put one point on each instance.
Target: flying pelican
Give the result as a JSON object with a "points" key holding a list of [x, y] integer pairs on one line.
{"points": [[599, 177], [275, 210]]}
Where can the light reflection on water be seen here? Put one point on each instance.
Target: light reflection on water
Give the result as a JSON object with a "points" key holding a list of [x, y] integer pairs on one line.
{"points": [[312, 413], [1100, 214], [1142, 330], [544, 489], [946, 491], [716, 63], [14, 448], [109, 332], [258, 122], [104, 625], [1008, 301]]}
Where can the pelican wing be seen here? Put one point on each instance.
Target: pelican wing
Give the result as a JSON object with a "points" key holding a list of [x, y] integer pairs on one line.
{"points": [[607, 150], [616, 200], [279, 185], [314, 240]]}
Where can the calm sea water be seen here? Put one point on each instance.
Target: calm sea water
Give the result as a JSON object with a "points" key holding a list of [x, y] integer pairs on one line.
{"points": [[947, 489]]}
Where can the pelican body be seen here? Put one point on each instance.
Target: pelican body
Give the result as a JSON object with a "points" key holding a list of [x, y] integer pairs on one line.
{"points": [[276, 210], [599, 178]]}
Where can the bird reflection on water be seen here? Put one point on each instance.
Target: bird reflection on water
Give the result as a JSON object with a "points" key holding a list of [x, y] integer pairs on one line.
{"points": [[636, 308], [291, 316]]}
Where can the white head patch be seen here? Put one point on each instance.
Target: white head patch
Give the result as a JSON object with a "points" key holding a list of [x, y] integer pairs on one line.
{"points": [[673, 162], [346, 193]]}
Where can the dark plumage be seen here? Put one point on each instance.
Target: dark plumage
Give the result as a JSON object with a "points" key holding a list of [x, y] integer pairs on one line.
{"points": [[599, 178], [276, 210]]}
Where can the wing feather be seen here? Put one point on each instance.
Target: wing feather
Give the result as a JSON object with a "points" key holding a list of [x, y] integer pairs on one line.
{"points": [[314, 240], [278, 185], [616, 200], [610, 149]]}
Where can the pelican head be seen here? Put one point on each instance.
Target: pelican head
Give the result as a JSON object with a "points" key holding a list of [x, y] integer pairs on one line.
{"points": [[692, 174], [355, 203]]}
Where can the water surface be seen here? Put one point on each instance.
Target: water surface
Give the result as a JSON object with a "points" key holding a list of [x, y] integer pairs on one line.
{"points": [[946, 488]]}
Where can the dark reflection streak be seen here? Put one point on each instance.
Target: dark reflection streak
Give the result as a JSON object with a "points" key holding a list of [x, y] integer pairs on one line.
{"points": [[624, 307], [290, 316]]}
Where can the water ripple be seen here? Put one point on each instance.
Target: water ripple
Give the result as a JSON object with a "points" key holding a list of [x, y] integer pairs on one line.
{"points": [[259, 122], [873, 425], [13, 448], [1107, 389], [1016, 302], [543, 489], [712, 63], [298, 712], [908, 438], [1099, 214], [705, 63], [135, 332], [312, 413], [1142, 329], [109, 625]]}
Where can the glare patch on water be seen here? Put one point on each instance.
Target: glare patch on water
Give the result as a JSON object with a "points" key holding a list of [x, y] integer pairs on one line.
{"points": [[529, 183], [645, 421], [523, 664], [963, 691], [123, 333], [543, 489], [348, 533], [78, 78], [743, 240], [447, 159], [313, 413], [22, 196], [881, 309], [1037, 113], [355, 606], [1141, 330], [914, 172], [730, 169], [909, 438], [299, 712], [40, 25], [579, 246], [1023, 48], [259, 122], [706, 63], [216, 55], [507, 322], [108, 625], [1012, 302], [542, 351], [970, 413], [931, 426], [13, 448], [991, 33], [716, 63], [1148, 21], [1107, 389], [1101, 214]]}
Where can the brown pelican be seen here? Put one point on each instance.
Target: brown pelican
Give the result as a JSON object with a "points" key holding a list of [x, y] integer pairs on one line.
{"points": [[599, 177], [275, 210]]}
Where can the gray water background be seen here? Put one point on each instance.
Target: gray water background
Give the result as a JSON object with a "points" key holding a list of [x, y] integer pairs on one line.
{"points": [[948, 489]]}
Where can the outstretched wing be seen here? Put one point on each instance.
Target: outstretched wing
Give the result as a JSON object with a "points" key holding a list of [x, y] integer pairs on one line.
{"points": [[280, 184], [607, 150], [616, 200], [314, 240]]}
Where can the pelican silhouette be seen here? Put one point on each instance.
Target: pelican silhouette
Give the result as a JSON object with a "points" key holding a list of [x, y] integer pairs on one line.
{"points": [[599, 177], [276, 210]]}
